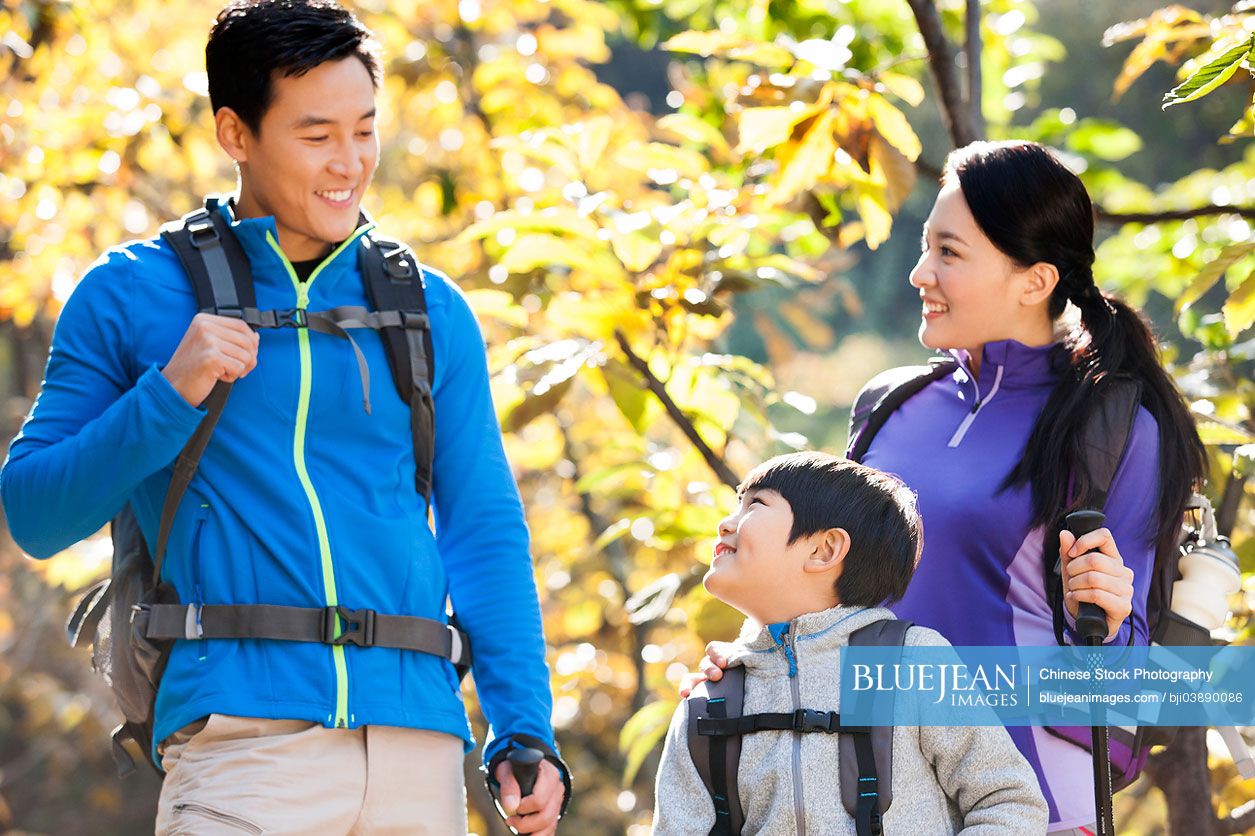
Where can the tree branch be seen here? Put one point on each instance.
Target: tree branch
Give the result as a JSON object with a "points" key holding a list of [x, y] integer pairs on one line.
{"points": [[1103, 216], [941, 61], [972, 49], [717, 464]]}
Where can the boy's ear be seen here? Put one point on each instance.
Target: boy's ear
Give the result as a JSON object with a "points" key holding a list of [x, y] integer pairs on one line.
{"points": [[232, 133], [828, 549]]}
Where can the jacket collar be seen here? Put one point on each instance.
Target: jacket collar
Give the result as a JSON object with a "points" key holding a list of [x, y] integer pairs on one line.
{"points": [[1021, 365], [255, 234], [758, 647]]}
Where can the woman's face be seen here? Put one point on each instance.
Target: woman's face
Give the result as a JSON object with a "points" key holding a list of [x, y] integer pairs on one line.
{"points": [[972, 292]]}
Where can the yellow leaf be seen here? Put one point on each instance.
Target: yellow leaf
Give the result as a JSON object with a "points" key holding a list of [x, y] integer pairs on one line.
{"points": [[804, 162], [814, 332], [529, 252], [691, 128], [761, 128], [876, 220], [904, 87], [593, 139], [892, 125], [1239, 308], [635, 250], [498, 305], [892, 168]]}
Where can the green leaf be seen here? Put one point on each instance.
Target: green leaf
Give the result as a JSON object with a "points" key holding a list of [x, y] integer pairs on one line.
{"points": [[1239, 308], [1104, 139], [613, 532], [540, 401], [1211, 274], [643, 731], [1208, 77]]}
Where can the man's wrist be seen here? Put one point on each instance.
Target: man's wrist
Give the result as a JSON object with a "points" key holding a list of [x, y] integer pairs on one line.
{"points": [[527, 741]]}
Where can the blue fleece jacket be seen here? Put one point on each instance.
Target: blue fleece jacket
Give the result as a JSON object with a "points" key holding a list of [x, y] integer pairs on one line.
{"points": [[301, 498]]}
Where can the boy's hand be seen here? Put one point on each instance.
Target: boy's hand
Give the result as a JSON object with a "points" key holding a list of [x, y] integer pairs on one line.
{"points": [[538, 812], [1094, 571], [712, 666], [213, 348]]}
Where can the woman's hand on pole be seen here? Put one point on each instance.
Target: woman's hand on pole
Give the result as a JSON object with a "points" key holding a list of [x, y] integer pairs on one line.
{"points": [[1094, 571], [711, 667]]}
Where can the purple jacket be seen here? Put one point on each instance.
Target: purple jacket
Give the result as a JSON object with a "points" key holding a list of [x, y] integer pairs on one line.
{"points": [[979, 581]]}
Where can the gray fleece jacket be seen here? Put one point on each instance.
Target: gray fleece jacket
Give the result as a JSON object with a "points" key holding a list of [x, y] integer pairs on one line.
{"points": [[946, 780]]}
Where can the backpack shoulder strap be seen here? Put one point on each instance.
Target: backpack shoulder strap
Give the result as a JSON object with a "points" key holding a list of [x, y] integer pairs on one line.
{"points": [[1105, 434], [866, 759], [718, 758], [222, 279], [395, 281], [883, 395]]}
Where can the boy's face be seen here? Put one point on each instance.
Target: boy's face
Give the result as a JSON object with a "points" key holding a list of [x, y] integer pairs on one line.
{"points": [[312, 157], [755, 568]]}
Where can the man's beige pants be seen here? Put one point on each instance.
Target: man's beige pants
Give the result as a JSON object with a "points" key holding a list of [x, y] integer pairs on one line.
{"points": [[238, 775]]}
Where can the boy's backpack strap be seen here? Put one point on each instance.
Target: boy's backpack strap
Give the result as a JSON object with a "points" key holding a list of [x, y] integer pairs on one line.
{"points": [[717, 758], [395, 282], [883, 395], [867, 756], [1105, 434]]}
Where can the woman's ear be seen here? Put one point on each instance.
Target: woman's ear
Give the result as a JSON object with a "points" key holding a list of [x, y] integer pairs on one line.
{"points": [[1040, 281], [828, 549], [233, 134]]}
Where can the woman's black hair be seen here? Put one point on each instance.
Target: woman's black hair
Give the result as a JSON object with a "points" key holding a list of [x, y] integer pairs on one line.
{"points": [[876, 509], [254, 41], [1034, 209]]}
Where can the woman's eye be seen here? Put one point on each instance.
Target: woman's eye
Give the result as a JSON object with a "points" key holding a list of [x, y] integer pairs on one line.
{"points": [[947, 252]]}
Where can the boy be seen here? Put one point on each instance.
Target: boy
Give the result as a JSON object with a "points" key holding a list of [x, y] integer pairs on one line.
{"points": [[816, 544]]}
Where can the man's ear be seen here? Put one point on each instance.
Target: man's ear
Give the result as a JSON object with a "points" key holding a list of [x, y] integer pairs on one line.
{"points": [[233, 135], [1039, 282], [828, 550]]}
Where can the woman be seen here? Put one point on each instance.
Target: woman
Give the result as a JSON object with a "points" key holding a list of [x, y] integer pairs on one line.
{"points": [[991, 450]]}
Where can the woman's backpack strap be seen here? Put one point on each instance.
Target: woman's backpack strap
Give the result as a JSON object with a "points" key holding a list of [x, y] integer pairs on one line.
{"points": [[717, 758], [883, 395]]}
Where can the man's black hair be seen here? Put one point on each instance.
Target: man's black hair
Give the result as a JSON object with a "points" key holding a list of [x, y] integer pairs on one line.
{"points": [[874, 508], [254, 42]]}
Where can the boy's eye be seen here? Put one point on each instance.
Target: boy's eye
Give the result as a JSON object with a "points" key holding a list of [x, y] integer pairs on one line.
{"points": [[315, 138]]}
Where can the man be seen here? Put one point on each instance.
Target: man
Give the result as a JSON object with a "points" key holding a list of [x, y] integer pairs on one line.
{"points": [[305, 496]]}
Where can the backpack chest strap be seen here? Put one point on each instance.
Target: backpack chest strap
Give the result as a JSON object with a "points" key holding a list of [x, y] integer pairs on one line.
{"points": [[802, 720]]}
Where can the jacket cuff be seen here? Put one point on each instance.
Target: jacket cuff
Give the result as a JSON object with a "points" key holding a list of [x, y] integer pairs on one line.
{"points": [[527, 741]]}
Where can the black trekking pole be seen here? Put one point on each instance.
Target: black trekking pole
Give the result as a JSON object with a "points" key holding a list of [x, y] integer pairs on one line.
{"points": [[525, 763], [1091, 624]]}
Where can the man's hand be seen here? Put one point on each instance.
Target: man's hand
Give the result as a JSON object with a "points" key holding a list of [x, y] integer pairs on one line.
{"points": [[538, 812], [214, 348], [712, 665]]}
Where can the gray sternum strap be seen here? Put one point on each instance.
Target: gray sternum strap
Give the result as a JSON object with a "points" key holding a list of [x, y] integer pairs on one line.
{"points": [[365, 628], [336, 322]]}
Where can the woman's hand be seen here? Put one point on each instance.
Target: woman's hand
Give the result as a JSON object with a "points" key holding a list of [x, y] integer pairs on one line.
{"points": [[711, 667], [1093, 571]]}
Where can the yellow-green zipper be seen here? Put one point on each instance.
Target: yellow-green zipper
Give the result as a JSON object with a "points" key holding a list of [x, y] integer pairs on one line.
{"points": [[341, 718]]}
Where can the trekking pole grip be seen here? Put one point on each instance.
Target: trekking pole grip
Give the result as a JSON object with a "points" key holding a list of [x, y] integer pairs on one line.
{"points": [[1091, 621], [525, 763]]}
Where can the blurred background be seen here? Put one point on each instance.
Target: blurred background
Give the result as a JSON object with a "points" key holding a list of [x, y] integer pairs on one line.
{"points": [[686, 226]]}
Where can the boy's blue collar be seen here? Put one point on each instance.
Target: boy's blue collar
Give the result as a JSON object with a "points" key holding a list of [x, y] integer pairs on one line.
{"points": [[778, 630]]}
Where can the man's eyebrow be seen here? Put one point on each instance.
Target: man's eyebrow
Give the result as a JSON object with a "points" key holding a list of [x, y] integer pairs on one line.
{"points": [[315, 121]]}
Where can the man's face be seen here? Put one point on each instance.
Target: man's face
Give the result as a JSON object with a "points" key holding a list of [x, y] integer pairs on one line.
{"points": [[312, 157]]}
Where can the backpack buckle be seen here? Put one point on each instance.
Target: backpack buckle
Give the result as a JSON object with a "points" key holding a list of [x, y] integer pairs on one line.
{"points": [[202, 232], [414, 319], [291, 318], [809, 720], [359, 626]]}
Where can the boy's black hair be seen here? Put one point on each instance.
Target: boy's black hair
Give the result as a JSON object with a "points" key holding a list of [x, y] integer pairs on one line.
{"points": [[255, 41], [877, 511]]}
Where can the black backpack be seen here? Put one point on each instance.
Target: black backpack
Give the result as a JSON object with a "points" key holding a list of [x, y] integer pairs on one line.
{"points": [[132, 619], [716, 725], [1107, 431]]}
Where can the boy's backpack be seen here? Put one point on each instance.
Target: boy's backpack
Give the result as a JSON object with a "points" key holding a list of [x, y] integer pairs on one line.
{"points": [[132, 619], [1107, 431], [716, 724]]}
